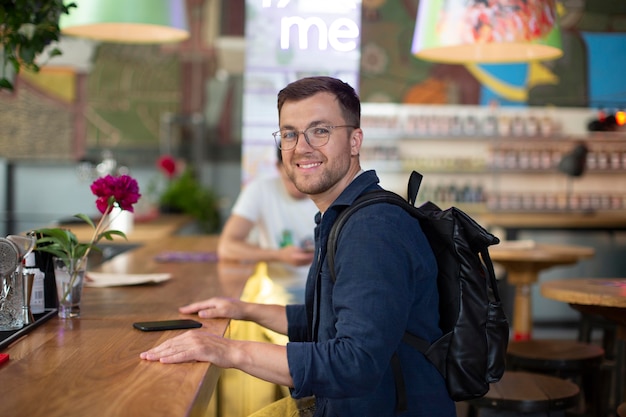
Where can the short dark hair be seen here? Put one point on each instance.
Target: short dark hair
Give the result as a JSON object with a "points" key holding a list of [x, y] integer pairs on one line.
{"points": [[306, 87]]}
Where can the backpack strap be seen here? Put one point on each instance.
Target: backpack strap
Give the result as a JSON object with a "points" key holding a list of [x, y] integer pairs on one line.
{"points": [[415, 180], [484, 254], [373, 197], [401, 400]]}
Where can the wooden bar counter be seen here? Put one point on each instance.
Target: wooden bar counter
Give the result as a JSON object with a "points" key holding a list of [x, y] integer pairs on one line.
{"points": [[90, 366]]}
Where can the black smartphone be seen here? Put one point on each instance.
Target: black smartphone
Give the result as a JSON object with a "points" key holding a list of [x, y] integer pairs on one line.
{"points": [[153, 326]]}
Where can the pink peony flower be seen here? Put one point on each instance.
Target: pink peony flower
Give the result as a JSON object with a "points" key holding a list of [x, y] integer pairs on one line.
{"points": [[110, 190]]}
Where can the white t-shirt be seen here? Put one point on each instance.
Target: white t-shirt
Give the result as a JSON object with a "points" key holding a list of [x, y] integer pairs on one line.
{"points": [[279, 220]]}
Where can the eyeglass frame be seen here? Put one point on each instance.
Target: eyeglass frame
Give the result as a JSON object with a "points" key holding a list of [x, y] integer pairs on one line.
{"points": [[277, 140]]}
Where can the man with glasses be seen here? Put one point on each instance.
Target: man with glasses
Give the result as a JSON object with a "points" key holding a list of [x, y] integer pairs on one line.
{"points": [[343, 339]]}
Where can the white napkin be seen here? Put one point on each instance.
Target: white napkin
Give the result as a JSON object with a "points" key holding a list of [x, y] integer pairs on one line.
{"points": [[108, 279]]}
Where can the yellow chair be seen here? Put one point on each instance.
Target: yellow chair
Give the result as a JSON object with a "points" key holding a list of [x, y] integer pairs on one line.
{"points": [[288, 407], [237, 393]]}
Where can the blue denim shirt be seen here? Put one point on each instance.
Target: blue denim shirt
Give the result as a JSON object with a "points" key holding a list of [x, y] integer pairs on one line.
{"points": [[343, 337]]}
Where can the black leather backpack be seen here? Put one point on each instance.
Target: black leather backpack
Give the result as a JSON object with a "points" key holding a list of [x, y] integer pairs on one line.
{"points": [[471, 352]]}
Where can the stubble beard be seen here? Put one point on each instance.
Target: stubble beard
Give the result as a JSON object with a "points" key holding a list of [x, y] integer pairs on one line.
{"points": [[317, 185]]}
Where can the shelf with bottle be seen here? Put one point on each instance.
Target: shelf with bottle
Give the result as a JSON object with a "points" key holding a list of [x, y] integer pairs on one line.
{"points": [[555, 202], [605, 157], [461, 121], [468, 195], [522, 158], [425, 155], [515, 159], [381, 157], [444, 165]]}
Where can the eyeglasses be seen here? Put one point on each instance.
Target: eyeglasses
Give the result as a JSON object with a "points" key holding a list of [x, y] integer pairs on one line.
{"points": [[315, 136]]}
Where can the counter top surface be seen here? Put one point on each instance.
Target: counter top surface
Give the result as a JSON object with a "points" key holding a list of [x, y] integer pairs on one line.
{"points": [[91, 365], [614, 219], [607, 292], [531, 252]]}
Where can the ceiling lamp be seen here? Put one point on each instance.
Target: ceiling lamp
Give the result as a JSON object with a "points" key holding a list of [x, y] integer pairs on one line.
{"points": [[479, 31], [124, 21]]}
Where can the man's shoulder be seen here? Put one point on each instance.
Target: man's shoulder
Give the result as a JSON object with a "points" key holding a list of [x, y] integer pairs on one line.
{"points": [[387, 213], [363, 182]]}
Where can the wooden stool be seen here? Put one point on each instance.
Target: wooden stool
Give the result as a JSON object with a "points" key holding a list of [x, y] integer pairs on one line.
{"points": [[567, 359], [520, 393], [611, 381], [590, 322]]}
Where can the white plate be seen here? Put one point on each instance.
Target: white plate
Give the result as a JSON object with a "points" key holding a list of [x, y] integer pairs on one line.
{"points": [[107, 279]]}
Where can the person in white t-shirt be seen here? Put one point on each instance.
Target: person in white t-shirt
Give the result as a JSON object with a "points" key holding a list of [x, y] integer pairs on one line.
{"points": [[280, 218]]}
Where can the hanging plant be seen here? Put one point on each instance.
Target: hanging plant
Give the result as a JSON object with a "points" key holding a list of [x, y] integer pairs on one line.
{"points": [[27, 27]]}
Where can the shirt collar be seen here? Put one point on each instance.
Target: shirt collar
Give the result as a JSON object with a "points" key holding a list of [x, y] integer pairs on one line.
{"points": [[363, 181]]}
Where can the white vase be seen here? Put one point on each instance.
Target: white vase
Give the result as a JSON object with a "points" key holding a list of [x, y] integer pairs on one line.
{"points": [[122, 220]]}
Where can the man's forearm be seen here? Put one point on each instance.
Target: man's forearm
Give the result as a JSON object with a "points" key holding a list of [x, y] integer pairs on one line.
{"points": [[244, 251], [270, 316], [264, 360]]}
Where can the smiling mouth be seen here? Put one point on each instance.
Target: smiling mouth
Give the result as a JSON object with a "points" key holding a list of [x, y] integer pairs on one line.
{"points": [[309, 165]]}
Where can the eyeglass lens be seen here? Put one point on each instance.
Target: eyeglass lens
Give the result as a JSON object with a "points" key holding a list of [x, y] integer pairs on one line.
{"points": [[316, 136]]}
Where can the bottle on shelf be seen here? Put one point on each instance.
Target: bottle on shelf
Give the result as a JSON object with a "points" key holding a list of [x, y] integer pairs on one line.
{"points": [[37, 297]]}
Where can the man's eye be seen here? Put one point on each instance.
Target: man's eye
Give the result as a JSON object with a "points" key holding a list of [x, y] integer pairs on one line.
{"points": [[289, 135], [321, 131]]}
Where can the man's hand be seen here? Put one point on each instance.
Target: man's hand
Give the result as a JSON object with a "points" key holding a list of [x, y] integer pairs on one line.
{"points": [[295, 256], [200, 346], [263, 360], [216, 307]]}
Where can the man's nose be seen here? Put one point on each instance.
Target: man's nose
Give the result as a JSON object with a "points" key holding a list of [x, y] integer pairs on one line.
{"points": [[304, 142]]}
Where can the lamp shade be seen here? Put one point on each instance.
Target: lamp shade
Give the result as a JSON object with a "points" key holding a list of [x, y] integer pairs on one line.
{"points": [[124, 21], [486, 31]]}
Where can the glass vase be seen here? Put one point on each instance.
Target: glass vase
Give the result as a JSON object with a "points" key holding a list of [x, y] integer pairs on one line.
{"points": [[69, 275]]}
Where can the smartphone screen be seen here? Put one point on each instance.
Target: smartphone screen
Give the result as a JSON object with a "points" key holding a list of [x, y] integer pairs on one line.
{"points": [[152, 326]]}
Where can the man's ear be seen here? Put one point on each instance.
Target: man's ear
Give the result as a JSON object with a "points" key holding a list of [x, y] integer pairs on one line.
{"points": [[356, 139]]}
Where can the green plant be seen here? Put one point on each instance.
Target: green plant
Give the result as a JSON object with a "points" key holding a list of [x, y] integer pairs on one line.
{"points": [[27, 27], [186, 195], [121, 192]]}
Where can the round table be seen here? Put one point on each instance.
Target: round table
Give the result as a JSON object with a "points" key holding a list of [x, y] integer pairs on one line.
{"points": [[602, 296], [523, 260]]}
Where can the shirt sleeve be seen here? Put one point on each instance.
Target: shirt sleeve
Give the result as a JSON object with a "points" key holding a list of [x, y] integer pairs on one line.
{"points": [[247, 204], [296, 322]]}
